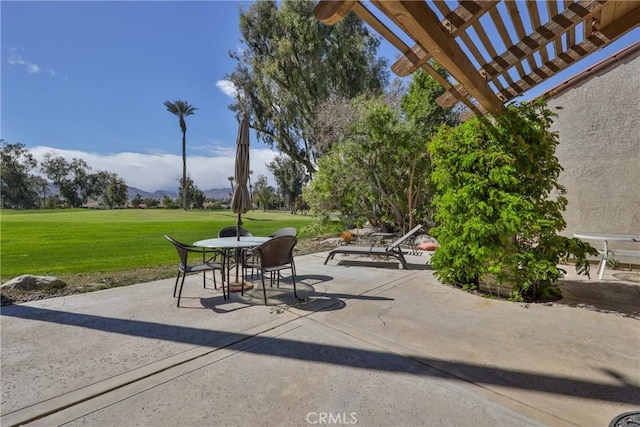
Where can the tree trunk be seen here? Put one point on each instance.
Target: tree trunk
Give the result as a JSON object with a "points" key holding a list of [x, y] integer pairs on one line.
{"points": [[184, 170]]}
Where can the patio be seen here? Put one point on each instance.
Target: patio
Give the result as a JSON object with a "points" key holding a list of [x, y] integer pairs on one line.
{"points": [[378, 345]]}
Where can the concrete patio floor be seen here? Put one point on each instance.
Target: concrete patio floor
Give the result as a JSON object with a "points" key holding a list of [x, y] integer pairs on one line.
{"points": [[371, 345]]}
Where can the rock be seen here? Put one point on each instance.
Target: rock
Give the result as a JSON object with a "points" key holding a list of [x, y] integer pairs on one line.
{"points": [[28, 282], [334, 241]]}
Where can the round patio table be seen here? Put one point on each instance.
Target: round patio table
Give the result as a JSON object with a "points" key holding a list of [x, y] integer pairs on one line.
{"points": [[235, 245]]}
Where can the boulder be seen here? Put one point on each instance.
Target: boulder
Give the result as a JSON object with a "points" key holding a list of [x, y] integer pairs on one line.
{"points": [[28, 282], [333, 241]]}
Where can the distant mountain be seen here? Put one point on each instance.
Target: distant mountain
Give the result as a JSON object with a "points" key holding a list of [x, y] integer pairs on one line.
{"points": [[215, 193]]}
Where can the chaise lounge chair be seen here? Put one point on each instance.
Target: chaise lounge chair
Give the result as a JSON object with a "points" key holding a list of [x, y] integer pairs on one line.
{"points": [[392, 250]]}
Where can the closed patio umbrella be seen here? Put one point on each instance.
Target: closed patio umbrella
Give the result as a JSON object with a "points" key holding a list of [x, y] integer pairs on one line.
{"points": [[241, 200]]}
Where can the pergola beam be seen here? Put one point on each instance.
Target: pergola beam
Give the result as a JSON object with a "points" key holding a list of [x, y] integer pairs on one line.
{"points": [[421, 23], [455, 22], [330, 13]]}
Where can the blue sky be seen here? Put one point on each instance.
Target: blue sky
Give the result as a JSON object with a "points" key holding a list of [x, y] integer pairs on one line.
{"points": [[87, 79]]}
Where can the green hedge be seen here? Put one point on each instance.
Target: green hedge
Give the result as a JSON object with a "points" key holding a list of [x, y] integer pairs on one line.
{"points": [[499, 204]]}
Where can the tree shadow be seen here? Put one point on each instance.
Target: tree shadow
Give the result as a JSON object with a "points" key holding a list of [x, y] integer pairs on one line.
{"points": [[621, 389], [383, 264]]}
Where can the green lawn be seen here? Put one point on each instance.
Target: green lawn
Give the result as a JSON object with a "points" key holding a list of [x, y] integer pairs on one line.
{"points": [[63, 243]]}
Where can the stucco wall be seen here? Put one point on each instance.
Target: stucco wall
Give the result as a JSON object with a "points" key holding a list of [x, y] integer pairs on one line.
{"points": [[599, 131]]}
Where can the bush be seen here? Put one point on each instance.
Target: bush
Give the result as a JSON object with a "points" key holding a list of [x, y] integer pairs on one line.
{"points": [[499, 204]]}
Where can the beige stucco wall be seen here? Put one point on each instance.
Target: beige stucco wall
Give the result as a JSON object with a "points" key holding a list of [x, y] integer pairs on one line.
{"points": [[599, 131]]}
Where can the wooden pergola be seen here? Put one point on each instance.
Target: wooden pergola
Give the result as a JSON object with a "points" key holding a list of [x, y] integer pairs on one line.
{"points": [[494, 49]]}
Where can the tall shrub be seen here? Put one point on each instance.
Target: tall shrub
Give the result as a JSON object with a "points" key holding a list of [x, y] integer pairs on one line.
{"points": [[499, 204]]}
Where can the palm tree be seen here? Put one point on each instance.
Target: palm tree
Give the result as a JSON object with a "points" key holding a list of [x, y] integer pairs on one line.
{"points": [[230, 178], [182, 109]]}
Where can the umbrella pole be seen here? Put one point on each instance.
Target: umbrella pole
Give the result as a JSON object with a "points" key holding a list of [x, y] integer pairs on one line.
{"points": [[237, 251]]}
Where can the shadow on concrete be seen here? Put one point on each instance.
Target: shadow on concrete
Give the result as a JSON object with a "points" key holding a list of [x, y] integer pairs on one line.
{"points": [[383, 264], [628, 276], [623, 391], [308, 298], [606, 296]]}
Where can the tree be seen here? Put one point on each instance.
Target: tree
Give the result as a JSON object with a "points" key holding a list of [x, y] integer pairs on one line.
{"points": [[380, 145], [263, 194], [70, 178], [231, 179], [198, 198], [181, 109], [168, 202], [73, 179], [380, 169], [419, 104], [96, 185], [41, 186], [194, 196], [137, 201], [338, 186], [290, 177], [150, 202], [499, 204], [116, 193], [290, 63], [17, 189]]}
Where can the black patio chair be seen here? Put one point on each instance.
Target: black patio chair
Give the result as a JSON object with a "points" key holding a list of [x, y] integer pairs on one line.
{"points": [[209, 263], [286, 231], [232, 231], [274, 256]]}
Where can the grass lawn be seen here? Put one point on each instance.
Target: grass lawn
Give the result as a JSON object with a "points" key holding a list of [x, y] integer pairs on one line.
{"points": [[114, 247]]}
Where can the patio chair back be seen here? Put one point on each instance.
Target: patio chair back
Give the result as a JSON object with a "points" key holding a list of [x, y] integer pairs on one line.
{"points": [[403, 238], [232, 231], [286, 231], [202, 266], [275, 255]]}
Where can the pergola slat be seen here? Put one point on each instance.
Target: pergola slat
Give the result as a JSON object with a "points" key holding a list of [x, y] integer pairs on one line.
{"points": [[504, 35], [594, 42], [549, 32], [528, 45], [534, 15], [514, 14], [571, 32], [552, 10]]}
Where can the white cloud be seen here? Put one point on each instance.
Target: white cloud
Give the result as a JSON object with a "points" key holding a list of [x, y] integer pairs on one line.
{"points": [[227, 87], [17, 59], [151, 172], [32, 68]]}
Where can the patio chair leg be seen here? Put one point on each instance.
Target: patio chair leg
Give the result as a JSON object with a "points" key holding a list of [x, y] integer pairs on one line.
{"points": [[180, 291], [293, 278], [264, 290], [175, 287]]}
